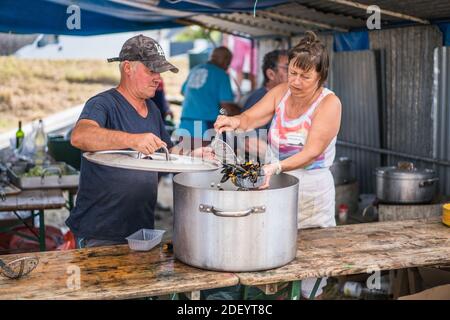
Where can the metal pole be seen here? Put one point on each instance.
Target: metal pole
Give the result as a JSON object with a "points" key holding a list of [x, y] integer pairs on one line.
{"points": [[42, 246], [383, 11], [393, 153]]}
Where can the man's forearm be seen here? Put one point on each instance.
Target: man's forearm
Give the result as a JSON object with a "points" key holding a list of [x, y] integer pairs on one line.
{"points": [[96, 139]]}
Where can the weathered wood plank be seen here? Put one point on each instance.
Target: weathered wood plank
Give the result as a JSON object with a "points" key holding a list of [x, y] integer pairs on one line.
{"points": [[118, 273], [113, 272], [34, 200], [360, 248]]}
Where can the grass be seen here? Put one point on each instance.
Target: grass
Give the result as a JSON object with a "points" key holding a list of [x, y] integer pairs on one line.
{"points": [[32, 89]]}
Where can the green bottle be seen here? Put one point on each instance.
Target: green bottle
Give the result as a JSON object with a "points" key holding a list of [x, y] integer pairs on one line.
{"points": [[19, 135]]}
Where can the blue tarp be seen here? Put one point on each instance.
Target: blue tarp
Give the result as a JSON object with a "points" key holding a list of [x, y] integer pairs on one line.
{"points": [[445, 28], [218, 6], [105, 16], [41, 16], [351, 41]]}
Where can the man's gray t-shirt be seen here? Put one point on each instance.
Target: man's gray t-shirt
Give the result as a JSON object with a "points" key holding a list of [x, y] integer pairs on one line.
{"points": [[112, 203]]}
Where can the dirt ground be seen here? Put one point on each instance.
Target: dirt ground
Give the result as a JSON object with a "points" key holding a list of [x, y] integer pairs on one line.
{"points": [[33, 89]]}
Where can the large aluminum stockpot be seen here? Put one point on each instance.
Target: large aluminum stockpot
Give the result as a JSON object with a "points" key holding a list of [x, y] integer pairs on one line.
{"points": [[234, 230], [405, 185]]}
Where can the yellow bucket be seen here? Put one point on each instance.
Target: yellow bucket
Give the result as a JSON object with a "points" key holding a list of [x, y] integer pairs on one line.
{"points": [[446, 214]]}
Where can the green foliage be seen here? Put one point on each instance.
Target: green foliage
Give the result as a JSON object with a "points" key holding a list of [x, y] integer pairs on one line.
{"points": [[192, 33]]}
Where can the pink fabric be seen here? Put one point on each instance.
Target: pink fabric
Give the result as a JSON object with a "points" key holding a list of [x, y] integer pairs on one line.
{"points": [[242, 48]]}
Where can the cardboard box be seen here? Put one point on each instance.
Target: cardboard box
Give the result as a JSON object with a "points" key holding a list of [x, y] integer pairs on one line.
{"points": [[433, 277], [436, 293]]}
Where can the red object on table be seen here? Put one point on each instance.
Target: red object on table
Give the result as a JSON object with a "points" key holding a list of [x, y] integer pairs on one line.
{"points": [[69, 242]]}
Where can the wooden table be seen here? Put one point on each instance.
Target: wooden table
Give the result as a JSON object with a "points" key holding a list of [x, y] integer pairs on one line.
{"points": [[35, 200], [361, 248], [113, 272], [118, 273]]}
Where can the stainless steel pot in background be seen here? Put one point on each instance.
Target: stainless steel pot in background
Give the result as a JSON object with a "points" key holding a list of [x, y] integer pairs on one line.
{"points": [[405, 184], [342, 171], [233, 230]]}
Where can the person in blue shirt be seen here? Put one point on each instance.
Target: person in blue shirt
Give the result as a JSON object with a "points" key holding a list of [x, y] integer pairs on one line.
{"points": [[206, 90]]}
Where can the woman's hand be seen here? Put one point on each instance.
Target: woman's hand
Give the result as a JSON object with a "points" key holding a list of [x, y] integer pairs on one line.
{"points": [[224, 123], [269, 170]]}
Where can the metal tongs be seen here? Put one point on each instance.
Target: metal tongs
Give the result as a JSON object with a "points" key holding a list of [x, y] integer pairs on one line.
{"points": [[223, 151], [19, 267]]}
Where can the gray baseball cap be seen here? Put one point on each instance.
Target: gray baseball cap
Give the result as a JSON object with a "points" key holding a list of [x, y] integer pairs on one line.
{"points": [[146, 50]]}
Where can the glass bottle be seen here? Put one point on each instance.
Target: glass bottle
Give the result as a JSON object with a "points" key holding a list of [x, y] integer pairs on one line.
{"points": [[20, 135], [40, 143]]}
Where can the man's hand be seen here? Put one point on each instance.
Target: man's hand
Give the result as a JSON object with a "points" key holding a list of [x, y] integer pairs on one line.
{"points": [[146, 143], [205, 153]]}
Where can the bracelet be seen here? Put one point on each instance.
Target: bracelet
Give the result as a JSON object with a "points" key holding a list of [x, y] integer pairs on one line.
{"points": [[279, 168]]}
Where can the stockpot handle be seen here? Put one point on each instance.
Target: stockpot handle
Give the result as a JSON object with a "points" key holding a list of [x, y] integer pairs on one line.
{"points": [[231, 214], [428, 182]]}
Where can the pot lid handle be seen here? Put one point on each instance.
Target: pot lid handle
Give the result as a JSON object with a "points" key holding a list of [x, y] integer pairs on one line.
{"points": [[405, 165], [166, 152]]}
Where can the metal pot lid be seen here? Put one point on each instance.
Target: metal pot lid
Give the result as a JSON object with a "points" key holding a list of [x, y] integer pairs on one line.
{"points": [[342, 160], [128, 159], [405, 172]]}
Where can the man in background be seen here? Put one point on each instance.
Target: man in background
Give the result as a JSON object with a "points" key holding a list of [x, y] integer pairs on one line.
{"points": [[275, 71], [206, 90]]}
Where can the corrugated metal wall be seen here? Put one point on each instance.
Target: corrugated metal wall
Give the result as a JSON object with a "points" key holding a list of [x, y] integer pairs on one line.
{"points": [[398, 78], [355, 79], [407, 88], [442, 114]]}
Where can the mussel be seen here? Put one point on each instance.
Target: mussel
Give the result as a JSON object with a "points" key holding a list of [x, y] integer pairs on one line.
{"points": [[243, 171]]}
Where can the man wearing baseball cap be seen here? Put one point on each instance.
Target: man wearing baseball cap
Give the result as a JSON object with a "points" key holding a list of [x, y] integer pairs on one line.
{"points": [[112, 203]]}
